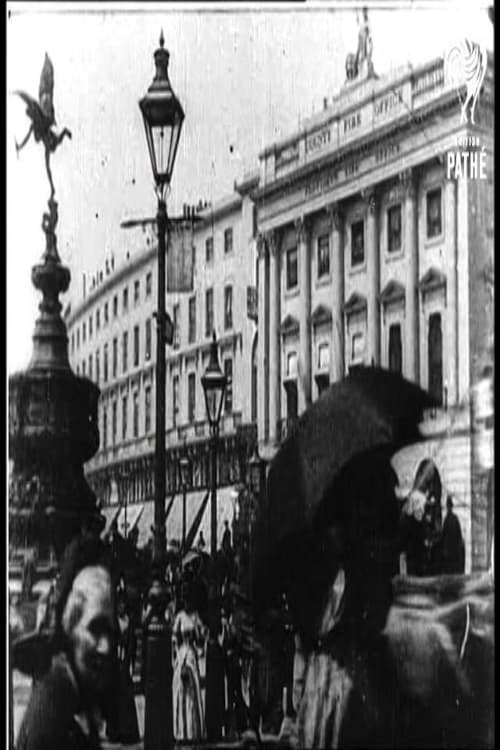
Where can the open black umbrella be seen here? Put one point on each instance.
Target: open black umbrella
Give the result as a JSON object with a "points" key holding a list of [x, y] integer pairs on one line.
{"points": [[369, 409]]}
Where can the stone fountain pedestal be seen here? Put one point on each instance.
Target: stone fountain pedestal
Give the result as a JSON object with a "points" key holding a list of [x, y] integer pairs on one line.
{"points": [[52, 430]]}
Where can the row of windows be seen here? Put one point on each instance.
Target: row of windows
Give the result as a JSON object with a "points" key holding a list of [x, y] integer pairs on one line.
{"points": [[394, 239], [357, 357], [209, 315], [191, 391], [115, 365], [113, 415], [228, 407], [75, 336], [228, 245]]}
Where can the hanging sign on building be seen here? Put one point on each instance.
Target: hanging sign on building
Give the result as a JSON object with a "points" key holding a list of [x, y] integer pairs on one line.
{"points": [[180, 257]]}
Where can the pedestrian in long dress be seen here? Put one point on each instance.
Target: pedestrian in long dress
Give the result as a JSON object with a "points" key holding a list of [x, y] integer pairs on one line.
{"points": [[189, 722]]}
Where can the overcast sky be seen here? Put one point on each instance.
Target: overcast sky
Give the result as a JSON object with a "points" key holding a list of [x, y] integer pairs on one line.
{"points": [[245, 75]]}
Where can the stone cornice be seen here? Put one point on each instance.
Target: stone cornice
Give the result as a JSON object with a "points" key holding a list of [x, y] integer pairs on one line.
{"points": [[359, 146]]}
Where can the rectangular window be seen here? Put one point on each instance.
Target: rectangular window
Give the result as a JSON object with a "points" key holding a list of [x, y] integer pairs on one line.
{"points": [[98, 320], [228, 241], [77, 339], [136, 346], [124, 417], [323, 256], [106, 316], [192, 320], [115, 357], [147, 409], [394, 229], [78, 369], [434, 223], [90, 367], [148, 339], [291, 268], [105, 363], [228, 395], [104, 427], [209, 249], [292, 400], [90, 327], [435, 357], [125, 299], [149, 284], [176, 322], [209, 312], [97, 367], [84, 330], [357, 348], [113, 422], [324, 356], [191, 396], [228, 307], [291, 365], [395, 348], [125, 351], [115, 306], [72, 343], [175, 399], [135, 415], [357, 243], [136, 291], [84, 366]]}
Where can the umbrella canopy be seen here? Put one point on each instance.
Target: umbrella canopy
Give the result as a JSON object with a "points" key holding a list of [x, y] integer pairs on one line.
{"points": [[369, 409]]}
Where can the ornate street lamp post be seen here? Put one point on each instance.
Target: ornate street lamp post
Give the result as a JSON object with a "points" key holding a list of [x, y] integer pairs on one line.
{"points": [[185, 471], [214, 386], [163, 118], [256, 481]]}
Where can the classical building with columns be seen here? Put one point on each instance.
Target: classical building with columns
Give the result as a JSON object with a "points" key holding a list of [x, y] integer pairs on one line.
{"points": [[372, 250]]}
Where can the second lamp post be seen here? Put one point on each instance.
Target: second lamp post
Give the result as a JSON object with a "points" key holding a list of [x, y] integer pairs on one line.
{"points": [[214, 385], [163, 118]]}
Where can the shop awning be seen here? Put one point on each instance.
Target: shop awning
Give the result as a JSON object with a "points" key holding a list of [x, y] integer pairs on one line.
{"points": [[226, 499], [109, 513]]}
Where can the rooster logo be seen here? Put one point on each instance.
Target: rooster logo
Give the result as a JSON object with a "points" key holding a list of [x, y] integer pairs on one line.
{"points": [[466, 66]]}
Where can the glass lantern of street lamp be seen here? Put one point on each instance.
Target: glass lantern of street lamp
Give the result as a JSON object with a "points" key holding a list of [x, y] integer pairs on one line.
{"points": [[214, 385], [163, 117], [256, 466]]}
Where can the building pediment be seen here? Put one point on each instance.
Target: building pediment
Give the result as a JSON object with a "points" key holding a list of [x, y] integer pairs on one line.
{"points": [[289, 325], [321, 314], [393, 291], [355, 303], [432, 279]]}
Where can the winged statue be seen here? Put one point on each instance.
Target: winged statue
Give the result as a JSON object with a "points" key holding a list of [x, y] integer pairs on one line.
{"points": [[42, 116]]}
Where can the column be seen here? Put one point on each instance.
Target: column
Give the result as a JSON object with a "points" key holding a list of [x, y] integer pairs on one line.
{"points": [[373, 275], [273, 244], [463, 308], [304, 267], [411, 368], [450, 338], [337, 363], [262, 383]]}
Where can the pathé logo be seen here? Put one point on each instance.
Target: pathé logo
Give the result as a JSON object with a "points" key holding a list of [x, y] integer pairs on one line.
{"points": [[465, 65]]}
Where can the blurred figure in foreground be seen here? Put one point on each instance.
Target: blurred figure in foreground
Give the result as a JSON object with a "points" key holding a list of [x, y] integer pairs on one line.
{"points": [[66, 707]]}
